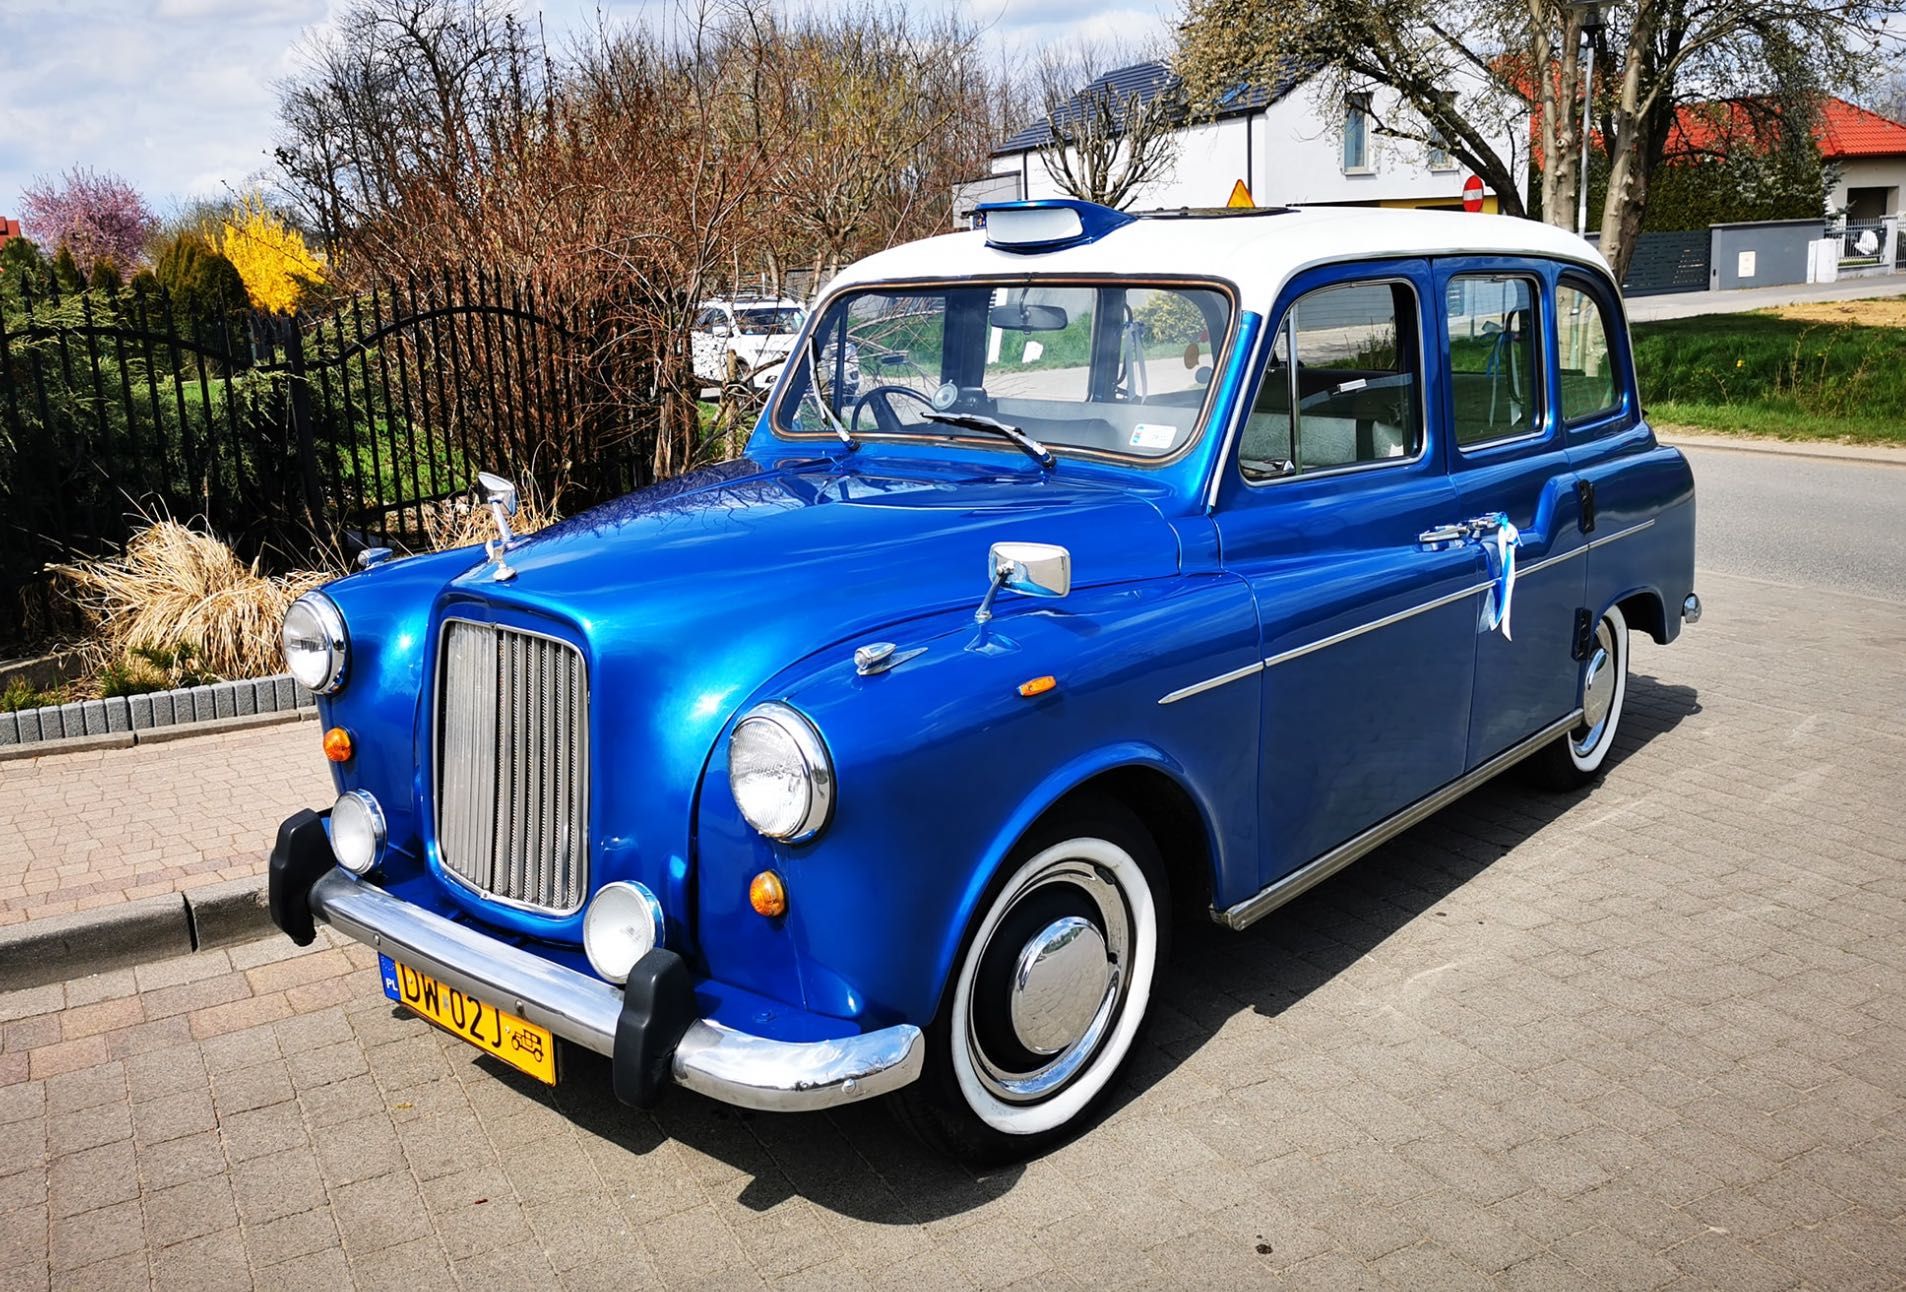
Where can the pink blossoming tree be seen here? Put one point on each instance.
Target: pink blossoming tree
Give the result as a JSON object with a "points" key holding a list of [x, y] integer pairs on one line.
{"points": [[98, 216]]}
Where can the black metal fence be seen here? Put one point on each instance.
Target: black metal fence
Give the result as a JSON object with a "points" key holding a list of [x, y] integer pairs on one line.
{"points": [[340, 430]]}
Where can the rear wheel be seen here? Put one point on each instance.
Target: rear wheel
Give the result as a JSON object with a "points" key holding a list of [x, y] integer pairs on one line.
{"points": [[1577, 757], [1049, 992]]}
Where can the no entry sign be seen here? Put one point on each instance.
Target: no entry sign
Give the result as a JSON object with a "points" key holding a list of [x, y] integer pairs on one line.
{"points": [[1472, 193]]}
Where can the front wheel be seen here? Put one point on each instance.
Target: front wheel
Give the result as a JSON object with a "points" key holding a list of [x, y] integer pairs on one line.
{"points": [[1049, 992], [1576, 758]]}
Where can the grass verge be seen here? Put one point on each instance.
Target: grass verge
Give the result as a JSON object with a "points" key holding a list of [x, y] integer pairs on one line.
{"points": [[1764, 374]]}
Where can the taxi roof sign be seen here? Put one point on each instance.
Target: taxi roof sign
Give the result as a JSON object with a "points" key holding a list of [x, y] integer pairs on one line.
{"points": [[1240, 196]]}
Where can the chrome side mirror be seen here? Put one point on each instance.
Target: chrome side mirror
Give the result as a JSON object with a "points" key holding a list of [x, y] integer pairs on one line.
{"points": [[1030, 569], [497, 491]]}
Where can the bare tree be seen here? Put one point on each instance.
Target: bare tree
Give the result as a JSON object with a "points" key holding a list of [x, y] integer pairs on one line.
{"points": [[1108, 136], [1651, 57]]}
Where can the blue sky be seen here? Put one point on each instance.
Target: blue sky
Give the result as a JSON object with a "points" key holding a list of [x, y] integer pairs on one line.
{"points": [[176, 95]]}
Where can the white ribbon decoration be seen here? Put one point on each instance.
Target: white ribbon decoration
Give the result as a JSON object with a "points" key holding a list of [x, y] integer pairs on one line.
{"points": [[1502, 596]]}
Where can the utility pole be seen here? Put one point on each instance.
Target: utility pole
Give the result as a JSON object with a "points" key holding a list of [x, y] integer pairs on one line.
{"points": [[1591, 24]]}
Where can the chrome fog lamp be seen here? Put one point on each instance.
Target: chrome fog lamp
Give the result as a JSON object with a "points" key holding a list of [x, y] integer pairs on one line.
{"points": [[623, 923], [315, 643], [358, 831], [780, 774]]}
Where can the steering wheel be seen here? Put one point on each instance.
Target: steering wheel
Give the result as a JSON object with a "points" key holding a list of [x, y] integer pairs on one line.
{"points": [[884, 419]]}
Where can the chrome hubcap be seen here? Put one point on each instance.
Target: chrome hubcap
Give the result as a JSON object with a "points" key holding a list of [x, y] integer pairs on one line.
{"points": [[1050, 981], [1598, 689], [1061, 980]]}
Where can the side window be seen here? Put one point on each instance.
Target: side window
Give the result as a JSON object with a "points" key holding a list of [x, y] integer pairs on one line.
{"points": [[1343, 386], [1495, 362], [1587, 361], [710, 319]]}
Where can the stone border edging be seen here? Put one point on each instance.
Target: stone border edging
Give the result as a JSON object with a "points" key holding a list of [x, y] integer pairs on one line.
{"points": [[152, 735], [59, 947], [157, 715]]}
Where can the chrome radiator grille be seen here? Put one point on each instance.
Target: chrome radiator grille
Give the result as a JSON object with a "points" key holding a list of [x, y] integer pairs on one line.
{"points": [[512, 765]]}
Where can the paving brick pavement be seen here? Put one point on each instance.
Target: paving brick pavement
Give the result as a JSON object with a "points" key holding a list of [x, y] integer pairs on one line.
{"points": [[1653, 1035], [102, 826]]}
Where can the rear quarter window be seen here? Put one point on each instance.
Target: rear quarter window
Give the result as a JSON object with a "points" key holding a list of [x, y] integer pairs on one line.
{"points": [[1589, 386]]}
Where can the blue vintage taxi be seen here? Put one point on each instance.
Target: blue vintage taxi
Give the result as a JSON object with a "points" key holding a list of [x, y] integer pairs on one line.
{"points": [[1082, 569]]}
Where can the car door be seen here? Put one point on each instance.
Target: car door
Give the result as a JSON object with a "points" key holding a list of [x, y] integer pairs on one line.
{"points": [[1368, 633], [1508, 457]]}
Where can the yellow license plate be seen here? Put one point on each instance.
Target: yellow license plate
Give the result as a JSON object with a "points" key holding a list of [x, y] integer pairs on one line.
{"points": [[519, 1043]]}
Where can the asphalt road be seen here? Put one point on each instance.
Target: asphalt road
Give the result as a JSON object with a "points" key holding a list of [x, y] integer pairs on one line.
{"points": [[1804, 522]]}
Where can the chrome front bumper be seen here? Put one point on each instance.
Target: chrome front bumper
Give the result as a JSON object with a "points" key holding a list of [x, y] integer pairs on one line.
{"points": [[715, 1060]]}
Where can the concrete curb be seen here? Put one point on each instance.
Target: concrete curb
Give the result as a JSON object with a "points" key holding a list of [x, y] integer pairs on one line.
{"points": [[132, 933], [153, 735], [108, 937], [1823, 449]]}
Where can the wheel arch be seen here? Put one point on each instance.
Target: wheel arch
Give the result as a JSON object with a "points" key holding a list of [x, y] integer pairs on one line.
{"points": [[1140, 776], [1644, 609]]}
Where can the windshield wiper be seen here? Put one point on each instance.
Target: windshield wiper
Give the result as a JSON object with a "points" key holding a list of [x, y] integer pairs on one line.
{"points": [[814, 388], [974, 422]]}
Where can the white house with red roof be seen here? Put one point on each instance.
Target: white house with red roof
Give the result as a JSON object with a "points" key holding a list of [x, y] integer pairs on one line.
{"points": [[1869, 153]]}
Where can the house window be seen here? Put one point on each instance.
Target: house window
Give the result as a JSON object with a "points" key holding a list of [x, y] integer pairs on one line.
{"points": [[1439, 154], [1356, 133]]}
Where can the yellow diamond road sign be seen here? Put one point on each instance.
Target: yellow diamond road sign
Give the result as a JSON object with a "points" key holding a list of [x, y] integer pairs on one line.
{"points": [[1240, 196]]}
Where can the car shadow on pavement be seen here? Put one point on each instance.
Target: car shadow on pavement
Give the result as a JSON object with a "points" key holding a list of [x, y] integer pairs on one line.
{"points": [[860, 1163]]}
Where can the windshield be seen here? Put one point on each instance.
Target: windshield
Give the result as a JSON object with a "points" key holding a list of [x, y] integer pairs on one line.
{"points": [[1119, 368], [768, 322]]}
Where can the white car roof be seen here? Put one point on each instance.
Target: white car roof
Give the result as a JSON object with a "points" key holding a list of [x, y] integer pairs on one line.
{"points": [[1257, 250]]}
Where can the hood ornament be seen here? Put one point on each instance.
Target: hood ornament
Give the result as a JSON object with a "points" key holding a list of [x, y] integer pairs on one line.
{"points": [[500, 494]]}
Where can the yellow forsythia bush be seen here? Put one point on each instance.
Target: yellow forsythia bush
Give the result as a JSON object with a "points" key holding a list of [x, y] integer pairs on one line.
{"points": [[269, 255]]}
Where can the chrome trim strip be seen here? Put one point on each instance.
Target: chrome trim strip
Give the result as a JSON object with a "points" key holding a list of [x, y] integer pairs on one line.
{"points": [[1197, 688], [1374, 624], [1543, 564], [735, 1067], [1303, 879], [1621, 533]]}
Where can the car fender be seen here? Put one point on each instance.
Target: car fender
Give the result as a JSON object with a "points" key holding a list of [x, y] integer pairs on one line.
{"points": [[942, 765]]}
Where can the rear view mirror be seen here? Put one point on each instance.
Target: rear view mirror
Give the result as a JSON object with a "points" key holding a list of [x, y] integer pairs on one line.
{"points": [[1028, 318]]}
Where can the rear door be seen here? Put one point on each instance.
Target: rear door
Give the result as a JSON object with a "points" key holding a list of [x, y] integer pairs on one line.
{"points": [[1369, 633], [1508, 457]]}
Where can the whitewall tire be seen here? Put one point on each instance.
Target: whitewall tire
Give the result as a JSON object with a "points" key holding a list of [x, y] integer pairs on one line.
{"points": [[1050, 990]]}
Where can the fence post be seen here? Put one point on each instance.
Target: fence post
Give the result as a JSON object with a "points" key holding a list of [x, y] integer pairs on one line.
{"points": [[300, 407]]}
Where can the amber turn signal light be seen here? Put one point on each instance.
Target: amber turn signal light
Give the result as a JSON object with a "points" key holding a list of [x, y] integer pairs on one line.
{"points": [[1038, 685], [337, 745], [768, 895]]}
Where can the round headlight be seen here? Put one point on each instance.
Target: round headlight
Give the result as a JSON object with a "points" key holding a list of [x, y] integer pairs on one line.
{"points": [[315, 644], [780, 773], [358, 833], [623, 924]]}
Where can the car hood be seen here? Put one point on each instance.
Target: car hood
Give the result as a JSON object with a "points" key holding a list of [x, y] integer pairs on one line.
{"points": [[688, 597]]}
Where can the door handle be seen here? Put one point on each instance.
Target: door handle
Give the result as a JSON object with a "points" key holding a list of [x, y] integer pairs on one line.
{"points": [[1468, 529]]}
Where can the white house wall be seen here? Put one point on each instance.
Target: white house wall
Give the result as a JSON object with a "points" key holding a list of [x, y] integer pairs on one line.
{"points": [[1870, 172], [1289, 154]]}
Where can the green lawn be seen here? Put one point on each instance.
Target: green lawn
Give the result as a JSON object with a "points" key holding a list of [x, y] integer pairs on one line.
{"points": [[1759, 374]]}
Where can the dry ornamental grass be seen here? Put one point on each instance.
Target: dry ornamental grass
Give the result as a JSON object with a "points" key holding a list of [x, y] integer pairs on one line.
{"points": [[178, 588]]}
